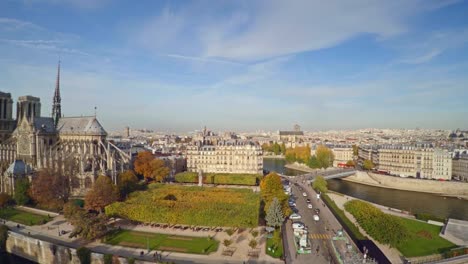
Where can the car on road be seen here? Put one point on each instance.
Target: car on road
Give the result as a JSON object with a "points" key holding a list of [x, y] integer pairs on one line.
{"points": [[295, 216], [298, 225], [293, 204], [308, 200], [316, 218], [309, 206], [304, 194], [317, 211]]}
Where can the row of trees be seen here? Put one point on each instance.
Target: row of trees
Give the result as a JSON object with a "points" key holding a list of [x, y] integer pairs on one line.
{"points": [[323, 157], [150, 167], [275, 148]]}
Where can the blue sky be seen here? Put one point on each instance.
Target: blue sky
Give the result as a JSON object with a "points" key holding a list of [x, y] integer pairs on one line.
{"points": [[242, 65]]}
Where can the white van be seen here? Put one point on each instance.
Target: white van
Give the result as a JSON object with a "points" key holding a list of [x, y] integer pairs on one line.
{"points": [[298, 225]]}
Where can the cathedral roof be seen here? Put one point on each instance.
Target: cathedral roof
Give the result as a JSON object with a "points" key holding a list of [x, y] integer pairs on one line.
{"points": [[86, 125], [18, 167], [44, 124]]}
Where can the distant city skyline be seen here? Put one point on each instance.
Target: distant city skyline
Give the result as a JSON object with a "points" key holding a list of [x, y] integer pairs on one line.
{"points": [[242, 66]]}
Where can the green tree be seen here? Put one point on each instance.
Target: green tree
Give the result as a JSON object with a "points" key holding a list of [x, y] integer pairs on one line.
{"points": [[368, 164], [274, 215], [128, 182], [313, 162], [350, 163], [276, 148], [355, 150], [3, 237], [21, 194], [86, 224], [283, 148], [324, 156], [320, 184], [102, 194]]}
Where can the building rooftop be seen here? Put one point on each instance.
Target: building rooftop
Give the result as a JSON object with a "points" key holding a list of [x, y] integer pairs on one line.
{"points": [[86, 125]]}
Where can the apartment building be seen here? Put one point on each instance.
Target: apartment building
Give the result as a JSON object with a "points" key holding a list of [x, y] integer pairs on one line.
{"points": [[226, 156], [460, 166], [417, 160], [343, 154]]}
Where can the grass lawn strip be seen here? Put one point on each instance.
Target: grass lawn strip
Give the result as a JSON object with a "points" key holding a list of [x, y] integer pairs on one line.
{"points": [[278, 251], [23, 217], [196, 245], [421, 244]]}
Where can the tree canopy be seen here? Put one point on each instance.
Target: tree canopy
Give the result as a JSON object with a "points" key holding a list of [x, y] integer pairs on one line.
{"points": [[128, 182], [271, 187], [21, 194], [102, 194], [274, 215], [324, 156], [368, 164], [150, 167], [86, 224], [299, 154], [320, 184], [50, 189]]}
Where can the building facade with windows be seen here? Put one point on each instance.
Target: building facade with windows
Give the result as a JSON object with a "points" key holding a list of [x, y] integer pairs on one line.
{"points": [[227, 156]]}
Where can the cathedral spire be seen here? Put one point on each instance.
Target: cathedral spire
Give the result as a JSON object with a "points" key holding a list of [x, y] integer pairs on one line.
{"points": [[56, 107]]}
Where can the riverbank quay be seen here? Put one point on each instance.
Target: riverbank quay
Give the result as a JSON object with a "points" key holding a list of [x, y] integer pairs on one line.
{"points": [[442, 188]]}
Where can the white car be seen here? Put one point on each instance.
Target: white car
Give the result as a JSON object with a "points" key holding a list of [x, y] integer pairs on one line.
{"points": [[304, 194], [316, 218], [298, 225], [309, 206], [295, 216]]}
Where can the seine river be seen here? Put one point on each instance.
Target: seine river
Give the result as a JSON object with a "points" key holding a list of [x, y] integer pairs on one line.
{"points": [[414, 202]]}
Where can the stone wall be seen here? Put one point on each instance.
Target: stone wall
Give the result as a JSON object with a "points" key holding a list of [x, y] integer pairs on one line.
{"points": [[45, 252], [408, 184]]}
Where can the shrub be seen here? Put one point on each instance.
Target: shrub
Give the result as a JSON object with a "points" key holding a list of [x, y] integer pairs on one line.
{"points": [[3, 237], [84, 255], [254, 233], [253, 243], [186, 177], [227, 242], [108, 258], [236, 179], [130, 260], [5, 200], [229, 232], [387, 229], [426, 217]]}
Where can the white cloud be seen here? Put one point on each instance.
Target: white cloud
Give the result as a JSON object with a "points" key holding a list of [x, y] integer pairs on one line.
{"points": [[423, 58]]}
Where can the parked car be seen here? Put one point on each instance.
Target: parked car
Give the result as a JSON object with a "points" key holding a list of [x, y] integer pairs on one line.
{"points": [[317, 211], [309, 206], [308, 200], [316, 218], [293, 204], [295, 216], [304, 194]]}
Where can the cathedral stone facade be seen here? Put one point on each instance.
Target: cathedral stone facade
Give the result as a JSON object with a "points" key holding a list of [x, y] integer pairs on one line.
{"points": [[76, 146]]}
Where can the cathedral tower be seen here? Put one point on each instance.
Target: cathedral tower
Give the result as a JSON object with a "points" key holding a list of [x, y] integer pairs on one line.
{"points": [[56, 107]]}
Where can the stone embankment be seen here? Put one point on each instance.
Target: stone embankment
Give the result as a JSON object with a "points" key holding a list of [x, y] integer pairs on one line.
{"points": [[443, 188]]}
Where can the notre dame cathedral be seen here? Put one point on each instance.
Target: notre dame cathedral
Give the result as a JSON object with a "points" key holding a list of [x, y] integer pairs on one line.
{"points": [[76, 145]]}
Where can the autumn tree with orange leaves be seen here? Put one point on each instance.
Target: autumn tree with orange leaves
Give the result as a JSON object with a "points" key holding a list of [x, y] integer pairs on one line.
{"points": [[150, 167], [103, 193]]}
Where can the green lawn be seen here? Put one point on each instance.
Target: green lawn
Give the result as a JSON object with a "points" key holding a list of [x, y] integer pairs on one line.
{"points": [[201, 206], [23, 217], [165, 242], [425, 240], [278, 251]]}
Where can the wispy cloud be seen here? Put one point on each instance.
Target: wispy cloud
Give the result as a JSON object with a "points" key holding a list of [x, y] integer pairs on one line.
{"points": [[422, 59], [48, 45], [201, 59]]}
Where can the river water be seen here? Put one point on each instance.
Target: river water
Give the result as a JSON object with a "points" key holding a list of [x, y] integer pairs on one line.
{"points": [[413, 202]]}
